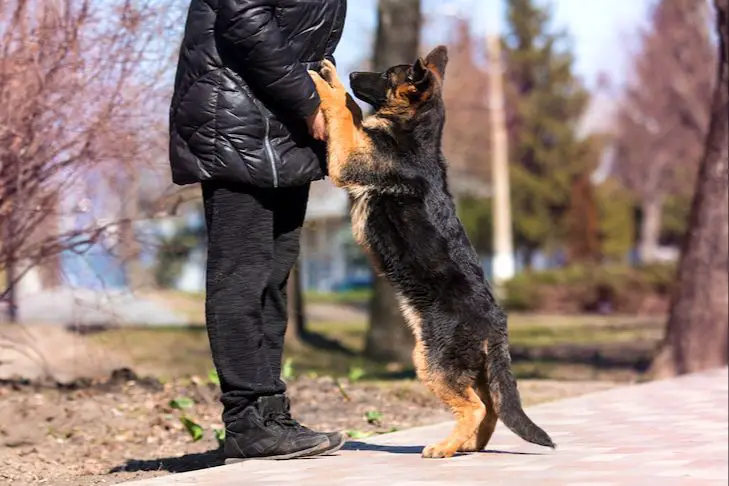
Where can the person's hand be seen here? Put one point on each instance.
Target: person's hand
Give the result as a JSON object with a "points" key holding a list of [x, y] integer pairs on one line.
{"points": [[317, 125]]}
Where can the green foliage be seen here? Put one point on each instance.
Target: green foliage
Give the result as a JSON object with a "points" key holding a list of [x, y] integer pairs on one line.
{"points": [[674, 221], [219, 435], [545, 102], [355, 374], [373, 417], [477, 219], [213, 377], [181, 403], [358, 434], [521, 295], [193, 428], [580, 288], [287, 372]]}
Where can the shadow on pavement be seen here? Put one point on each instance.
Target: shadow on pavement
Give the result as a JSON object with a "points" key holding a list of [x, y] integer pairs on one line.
{"points": [[180, 464], [204, 460], [396, 449], [363, 446]]}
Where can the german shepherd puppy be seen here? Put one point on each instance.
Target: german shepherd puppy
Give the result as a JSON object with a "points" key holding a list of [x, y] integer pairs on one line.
{"points": [[404, 216]]}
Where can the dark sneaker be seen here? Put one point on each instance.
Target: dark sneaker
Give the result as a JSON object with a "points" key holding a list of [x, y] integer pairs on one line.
{"points": [[281, 405], [254, 436]]}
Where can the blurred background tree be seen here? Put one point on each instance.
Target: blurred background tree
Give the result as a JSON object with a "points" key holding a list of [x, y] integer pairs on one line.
{"points": [[697, 336], [583, 231], [663, 118], [467, 134], [545, 101], [80, 90]]}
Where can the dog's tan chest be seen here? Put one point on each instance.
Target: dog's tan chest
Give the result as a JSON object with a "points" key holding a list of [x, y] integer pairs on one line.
{"points": [[360, 197]]}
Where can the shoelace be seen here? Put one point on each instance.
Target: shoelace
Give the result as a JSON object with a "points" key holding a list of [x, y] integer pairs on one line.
{"points": [[280, 418]]}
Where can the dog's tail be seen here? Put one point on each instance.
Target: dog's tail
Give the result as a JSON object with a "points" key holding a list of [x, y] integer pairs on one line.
{"points": [[505, 395]]}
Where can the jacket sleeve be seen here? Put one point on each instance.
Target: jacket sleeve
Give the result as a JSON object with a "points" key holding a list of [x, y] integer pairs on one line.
{"points": [[250, 30]]}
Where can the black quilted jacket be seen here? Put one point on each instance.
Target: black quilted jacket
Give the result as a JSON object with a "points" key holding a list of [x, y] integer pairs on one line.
{"points": [[242, 90]]}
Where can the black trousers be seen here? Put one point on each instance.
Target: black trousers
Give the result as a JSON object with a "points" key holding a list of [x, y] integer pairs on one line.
{"points": [[253, 243]]}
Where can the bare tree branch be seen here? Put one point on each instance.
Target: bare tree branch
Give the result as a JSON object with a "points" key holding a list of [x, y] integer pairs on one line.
{"points": [[82, 103]]}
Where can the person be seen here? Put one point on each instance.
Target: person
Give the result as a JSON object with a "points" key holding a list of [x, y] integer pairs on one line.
{"points": [[245, 122]]}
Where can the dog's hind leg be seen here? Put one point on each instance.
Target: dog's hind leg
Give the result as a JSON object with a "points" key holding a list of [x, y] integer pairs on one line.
{"points": [[486, 428], [460, 396]]}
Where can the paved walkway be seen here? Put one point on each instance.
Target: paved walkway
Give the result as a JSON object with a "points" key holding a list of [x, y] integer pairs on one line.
{"points": [[672, 432]]}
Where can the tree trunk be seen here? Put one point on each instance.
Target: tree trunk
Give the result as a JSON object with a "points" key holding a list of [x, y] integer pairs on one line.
{"points": [[650, 229], [296, 327], [8, 294], [388, 338], [11, 301], [528, 252], [48, 266], [398, 33], [698, 326], [130, 248], [397, 42], [138, 278], [584, 231]]}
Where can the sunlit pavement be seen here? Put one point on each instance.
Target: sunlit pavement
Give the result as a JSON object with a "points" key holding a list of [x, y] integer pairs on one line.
{"points": [[669, 432]]}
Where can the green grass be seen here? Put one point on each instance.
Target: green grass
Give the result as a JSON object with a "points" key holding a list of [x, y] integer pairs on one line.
{"points": [[180, 352], [350, 334], [533, 331], [545, 370], [536, 330], [350, 297]]}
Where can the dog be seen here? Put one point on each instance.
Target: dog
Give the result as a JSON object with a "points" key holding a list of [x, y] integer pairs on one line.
{"points": [[404, 217]]}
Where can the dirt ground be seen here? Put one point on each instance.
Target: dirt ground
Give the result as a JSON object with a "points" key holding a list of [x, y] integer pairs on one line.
{"points": [[82, 432], [126, 428]]}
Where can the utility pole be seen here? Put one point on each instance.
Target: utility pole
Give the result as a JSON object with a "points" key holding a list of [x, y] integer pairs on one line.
{"points": [[503, 260]]}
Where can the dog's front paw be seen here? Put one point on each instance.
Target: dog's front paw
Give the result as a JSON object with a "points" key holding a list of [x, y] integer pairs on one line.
{"points": [[332, 98], [329, 73], [438, 451], [322, 86]]}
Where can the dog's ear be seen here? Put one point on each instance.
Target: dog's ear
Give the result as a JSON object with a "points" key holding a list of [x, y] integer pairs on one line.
{"points": [[437, 60], [421, 75]]}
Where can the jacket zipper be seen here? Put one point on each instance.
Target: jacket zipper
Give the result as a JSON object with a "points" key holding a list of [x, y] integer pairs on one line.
{"points": [[269, 150]]}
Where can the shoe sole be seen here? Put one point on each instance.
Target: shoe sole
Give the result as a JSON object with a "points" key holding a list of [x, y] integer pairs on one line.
{"points": [[282, 457], [314, 451], [331, 449]]}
